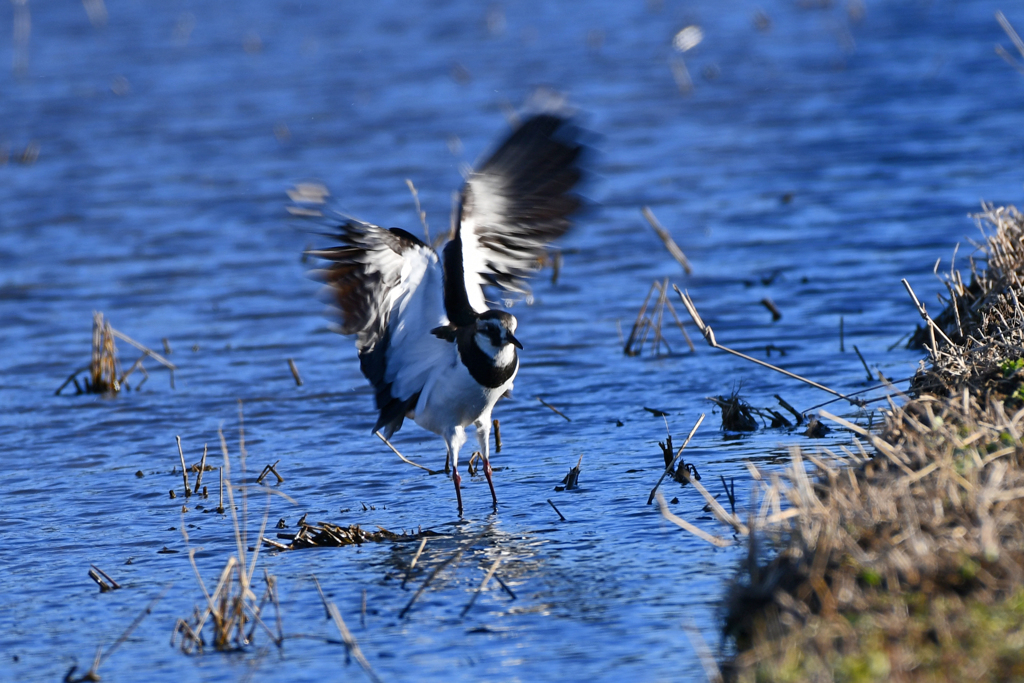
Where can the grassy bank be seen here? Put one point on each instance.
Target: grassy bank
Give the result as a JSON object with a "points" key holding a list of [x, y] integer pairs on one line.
{"points": [[903, 558]]}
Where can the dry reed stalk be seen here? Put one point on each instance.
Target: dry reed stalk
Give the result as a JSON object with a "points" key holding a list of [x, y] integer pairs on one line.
{"points": [[1015, 38], [295, 372], [351, 646], [184, 470], [233, 605], [404, 459], [420, 213], [102, 655], [202, 468], [709, 337], [554, 409], [671, 466], [666, 238]]}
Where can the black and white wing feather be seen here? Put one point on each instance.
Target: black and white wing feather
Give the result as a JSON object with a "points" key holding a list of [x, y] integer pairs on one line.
{"points": [[388, 286], [513, 205]]}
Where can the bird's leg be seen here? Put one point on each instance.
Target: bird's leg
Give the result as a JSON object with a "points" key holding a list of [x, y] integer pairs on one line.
{"points": [[454, 441], [483, 437]]}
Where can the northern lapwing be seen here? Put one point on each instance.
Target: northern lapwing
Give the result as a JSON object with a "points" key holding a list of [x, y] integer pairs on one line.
{"points": [[428, 341]]}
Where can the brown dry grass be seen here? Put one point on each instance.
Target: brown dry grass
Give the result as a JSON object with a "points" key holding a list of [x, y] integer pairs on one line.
{"points": [[906, 562]]}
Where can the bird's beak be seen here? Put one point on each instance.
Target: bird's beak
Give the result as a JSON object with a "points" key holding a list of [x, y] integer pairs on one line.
{"points": [[513, 341]]}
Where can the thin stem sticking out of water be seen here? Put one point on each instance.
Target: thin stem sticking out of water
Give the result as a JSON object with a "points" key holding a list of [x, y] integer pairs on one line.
{"points": [[709, 336], [1018, 43], [295, 372], [420, 213], [404, 459], [670, 244], [184, 471], [350, 641], [556, 410], [646, 323], [671, 466]]}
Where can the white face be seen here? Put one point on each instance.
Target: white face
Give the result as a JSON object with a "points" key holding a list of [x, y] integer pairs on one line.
{"points": [[495, 339]]}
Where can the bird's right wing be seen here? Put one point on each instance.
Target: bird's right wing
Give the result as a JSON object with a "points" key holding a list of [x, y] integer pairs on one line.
{"points": [[387, 285]]}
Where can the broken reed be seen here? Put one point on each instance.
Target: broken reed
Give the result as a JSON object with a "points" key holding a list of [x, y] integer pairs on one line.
{"points": [[104, 371], [906, 562], [646, 324]]}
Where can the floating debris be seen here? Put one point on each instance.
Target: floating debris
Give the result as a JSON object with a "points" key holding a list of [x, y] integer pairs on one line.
{"points": [[327, 535], [98, 575]]}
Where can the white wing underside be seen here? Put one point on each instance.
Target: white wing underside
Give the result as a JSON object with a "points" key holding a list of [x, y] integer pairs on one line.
{"points": [[417, 307]]}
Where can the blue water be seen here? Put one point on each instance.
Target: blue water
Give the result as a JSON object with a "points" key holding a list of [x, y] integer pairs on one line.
{"points": [[841, 150]]}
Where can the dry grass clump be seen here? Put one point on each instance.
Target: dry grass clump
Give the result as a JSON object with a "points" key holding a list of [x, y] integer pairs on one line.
{"points": [[104, 374], [906, 564], [978, 337]]}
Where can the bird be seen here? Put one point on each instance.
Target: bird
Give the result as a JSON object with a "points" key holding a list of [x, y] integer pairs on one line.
{"points": [[428, 341]]}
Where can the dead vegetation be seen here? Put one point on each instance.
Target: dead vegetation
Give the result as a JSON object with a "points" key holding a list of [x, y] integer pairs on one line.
{"points": [[232, 613], [327, 535], [904, 562], [104, 373], [650, 323]]}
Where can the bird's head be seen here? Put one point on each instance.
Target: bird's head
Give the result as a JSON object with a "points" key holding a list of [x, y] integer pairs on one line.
{"points": [[495, 332]]}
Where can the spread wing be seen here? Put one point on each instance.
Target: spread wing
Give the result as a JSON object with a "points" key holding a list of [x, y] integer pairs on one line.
{"points": [[513, 205], [388, 287]]}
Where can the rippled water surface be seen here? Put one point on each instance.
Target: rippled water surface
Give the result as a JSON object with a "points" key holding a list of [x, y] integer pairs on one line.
{"points": [[818, 159]]}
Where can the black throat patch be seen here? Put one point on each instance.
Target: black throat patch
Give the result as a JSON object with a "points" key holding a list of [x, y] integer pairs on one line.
{"points": [[481, 366]]}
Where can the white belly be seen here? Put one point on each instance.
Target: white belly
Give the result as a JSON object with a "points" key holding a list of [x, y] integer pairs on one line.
{"points": [[452, 398]]}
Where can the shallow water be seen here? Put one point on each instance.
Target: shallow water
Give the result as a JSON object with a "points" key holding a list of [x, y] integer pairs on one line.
{"points": [[835, 152]]}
